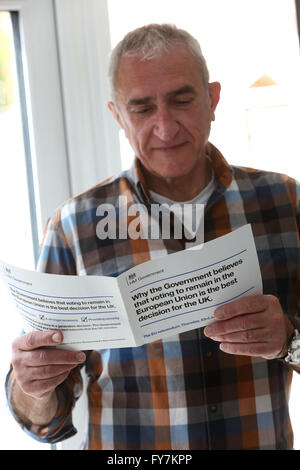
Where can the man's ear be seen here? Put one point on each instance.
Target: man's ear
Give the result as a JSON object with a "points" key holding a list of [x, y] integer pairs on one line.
{"points": [[112, 107], [214, 93]]}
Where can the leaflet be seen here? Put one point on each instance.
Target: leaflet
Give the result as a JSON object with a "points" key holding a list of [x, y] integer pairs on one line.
{"points": [[154, 300]]}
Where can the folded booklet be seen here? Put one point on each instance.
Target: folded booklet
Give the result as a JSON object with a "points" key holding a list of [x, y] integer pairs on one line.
{"points": [[154, 300]]}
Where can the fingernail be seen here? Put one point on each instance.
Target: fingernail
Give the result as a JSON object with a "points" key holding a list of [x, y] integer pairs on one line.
{"points": [[220, 313], [80, 356], [56, 338], [216, 338], [209, 331]]}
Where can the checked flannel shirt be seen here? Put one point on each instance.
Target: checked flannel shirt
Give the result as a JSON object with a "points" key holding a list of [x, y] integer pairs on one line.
{"points": [[181, 392]]}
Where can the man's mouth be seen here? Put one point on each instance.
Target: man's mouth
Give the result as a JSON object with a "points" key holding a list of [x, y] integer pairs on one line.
{"points": [[170, 148]]}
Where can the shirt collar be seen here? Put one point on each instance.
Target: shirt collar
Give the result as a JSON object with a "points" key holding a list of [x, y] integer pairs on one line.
{"points": [[222, 170]]}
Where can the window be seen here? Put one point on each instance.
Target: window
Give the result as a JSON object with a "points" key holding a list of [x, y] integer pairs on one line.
{"points": [[33, 159], [18, 241]]}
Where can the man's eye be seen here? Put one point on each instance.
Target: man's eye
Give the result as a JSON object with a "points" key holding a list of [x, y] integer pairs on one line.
{"points": [[182, 102], [142, 110]]}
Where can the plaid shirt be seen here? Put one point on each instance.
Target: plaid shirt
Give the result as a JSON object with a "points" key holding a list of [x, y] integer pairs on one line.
{"points": [[181, 392]]}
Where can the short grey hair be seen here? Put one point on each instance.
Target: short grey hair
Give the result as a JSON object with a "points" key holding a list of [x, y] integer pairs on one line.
{"points": [[149, 42]]}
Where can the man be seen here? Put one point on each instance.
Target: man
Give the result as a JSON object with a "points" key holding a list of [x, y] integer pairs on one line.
{"points": [[222, 387]]}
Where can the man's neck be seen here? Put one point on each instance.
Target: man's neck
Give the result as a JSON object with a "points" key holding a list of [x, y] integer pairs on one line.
{"points": [[181, 188]]}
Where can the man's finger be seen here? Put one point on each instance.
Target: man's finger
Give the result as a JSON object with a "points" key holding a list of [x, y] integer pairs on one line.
{"points": [[37, 339], [47, 356], [250, 304], [253, 349], [258, 335], [41, 387], [239, 323], [47, 372]]}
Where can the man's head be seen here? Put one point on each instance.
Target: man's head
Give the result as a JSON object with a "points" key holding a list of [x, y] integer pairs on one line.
{"points": [[150, 42], [162, 99]]}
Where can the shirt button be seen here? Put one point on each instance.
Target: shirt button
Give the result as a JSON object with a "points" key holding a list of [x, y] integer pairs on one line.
{"points": [[209, 354], [213, 408]]}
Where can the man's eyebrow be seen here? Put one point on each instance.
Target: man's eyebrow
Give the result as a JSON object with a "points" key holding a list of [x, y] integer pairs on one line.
{"points": [[139, 101], [172, 94], [181, 91]]}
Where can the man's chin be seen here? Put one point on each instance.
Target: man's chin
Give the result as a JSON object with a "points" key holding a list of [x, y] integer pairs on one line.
{"points": [[174, 174]]}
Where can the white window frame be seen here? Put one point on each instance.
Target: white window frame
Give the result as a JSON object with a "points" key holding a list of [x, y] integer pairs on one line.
{"points": [[44, 109], [44, 103]]}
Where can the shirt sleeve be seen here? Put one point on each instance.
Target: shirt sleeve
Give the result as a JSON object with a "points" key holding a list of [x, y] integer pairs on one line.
{"points": [[61, 426], [55, 258], [295, 320], [56, 254]]}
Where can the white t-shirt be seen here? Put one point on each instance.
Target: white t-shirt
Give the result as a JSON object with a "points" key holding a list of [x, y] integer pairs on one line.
{"points": [[193, 210]]}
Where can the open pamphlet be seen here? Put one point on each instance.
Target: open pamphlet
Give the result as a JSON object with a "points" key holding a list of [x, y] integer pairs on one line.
{"points": [[151, 301]]}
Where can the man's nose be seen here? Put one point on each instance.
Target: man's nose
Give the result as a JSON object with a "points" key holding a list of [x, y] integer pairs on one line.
{"points": [[165, 126]]}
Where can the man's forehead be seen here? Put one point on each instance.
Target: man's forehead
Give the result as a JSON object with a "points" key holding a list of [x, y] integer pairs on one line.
{"points": [[168, 75]]}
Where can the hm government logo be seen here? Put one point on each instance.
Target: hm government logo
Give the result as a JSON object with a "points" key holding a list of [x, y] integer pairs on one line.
{"points": [[158, 221], [131, 279]]}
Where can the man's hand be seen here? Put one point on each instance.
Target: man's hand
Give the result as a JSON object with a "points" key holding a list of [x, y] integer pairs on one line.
{"points": [[252, 326], [39, 369]]}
